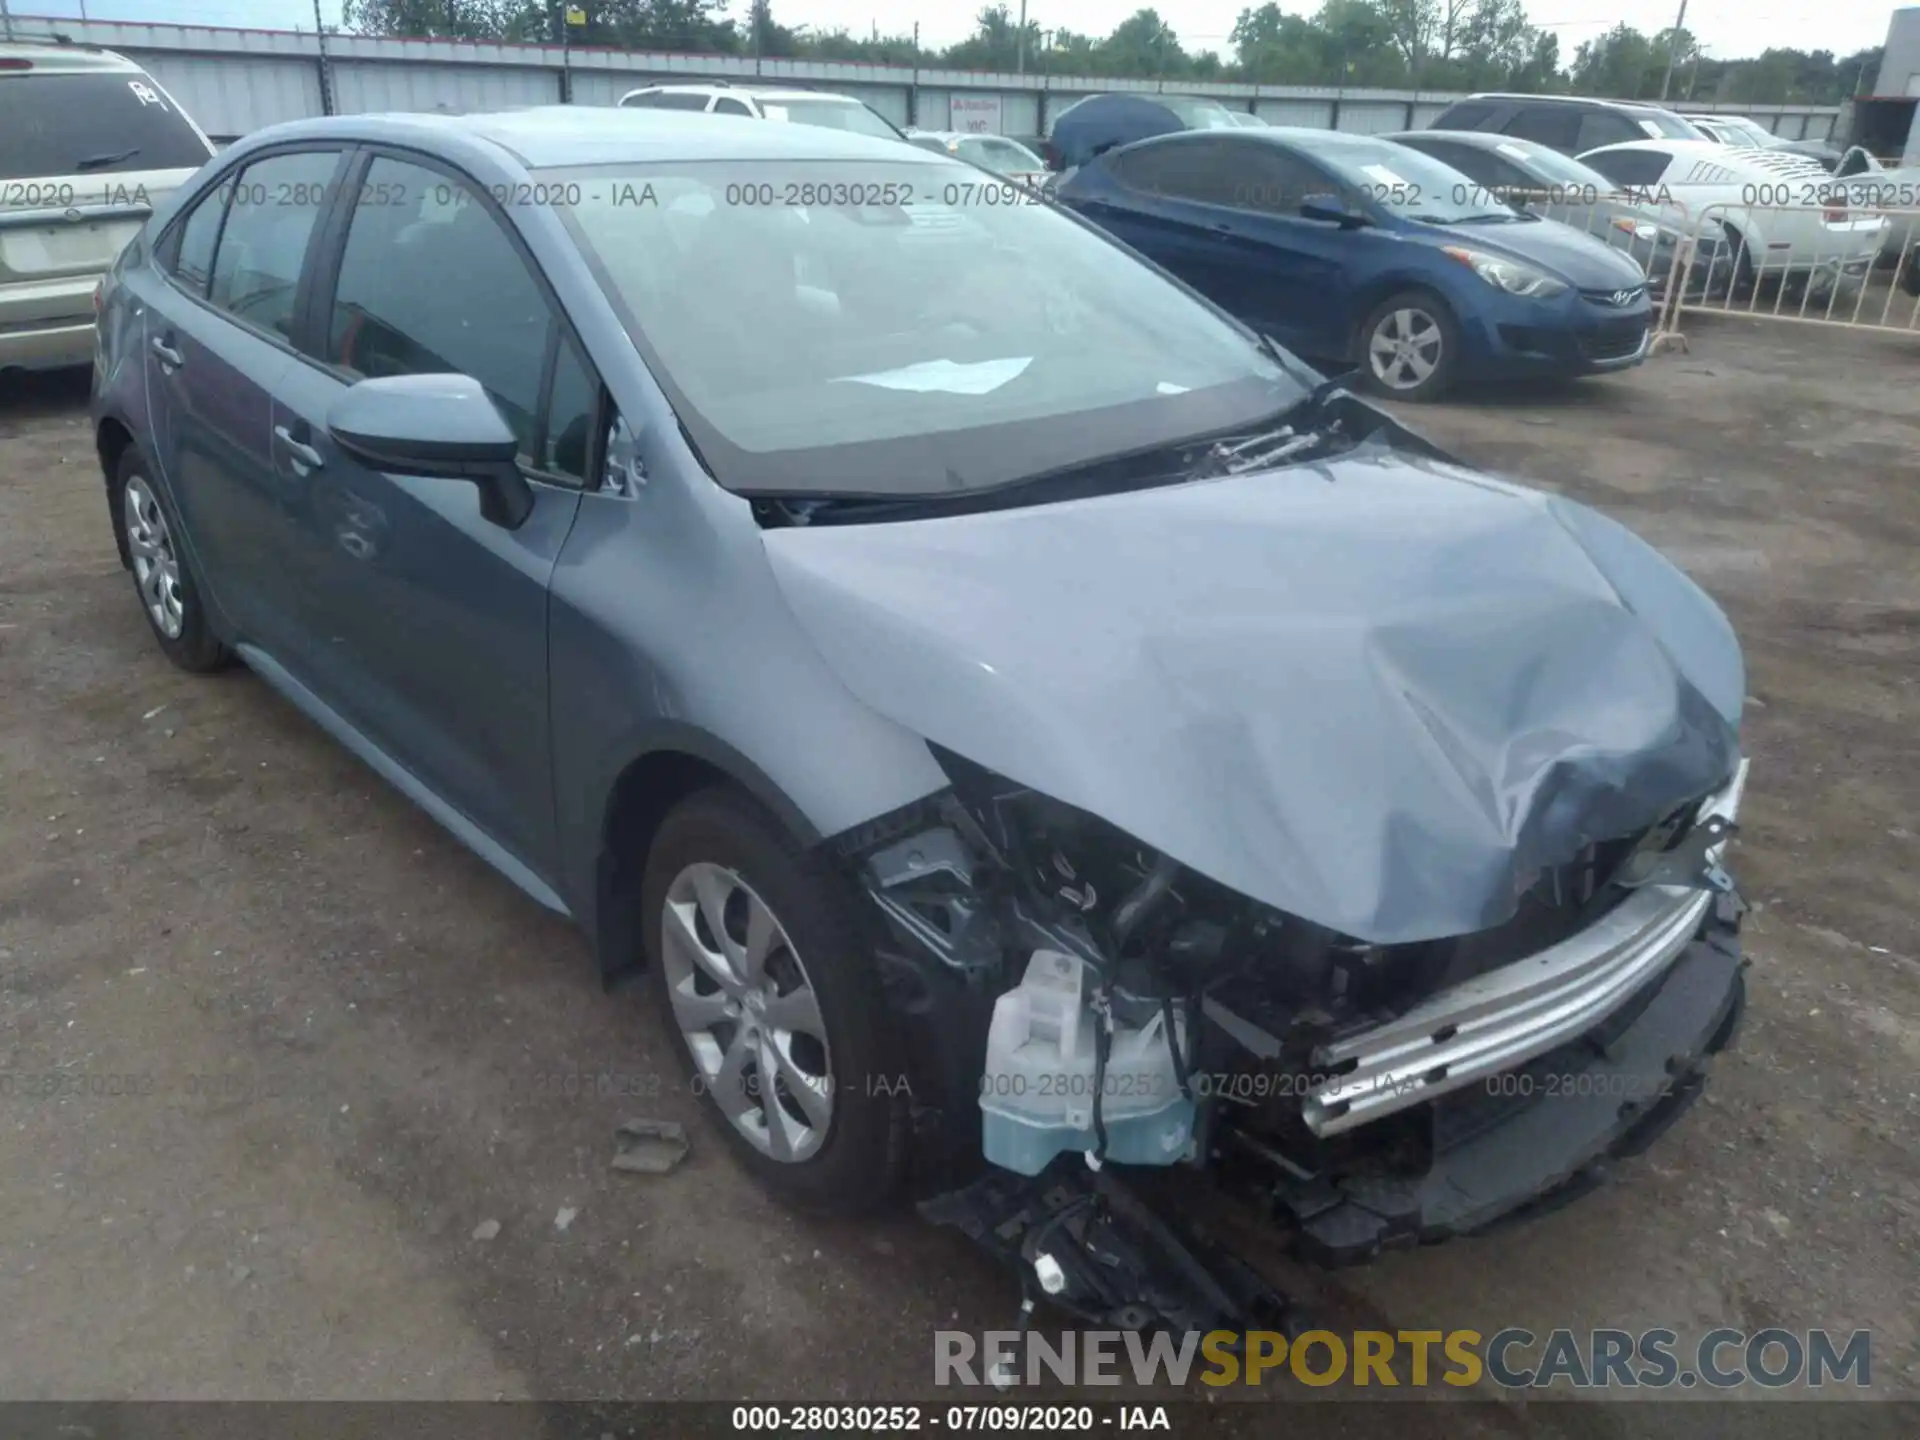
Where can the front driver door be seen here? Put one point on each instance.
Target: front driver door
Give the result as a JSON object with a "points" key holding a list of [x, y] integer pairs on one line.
{"points": [[426, 626]]}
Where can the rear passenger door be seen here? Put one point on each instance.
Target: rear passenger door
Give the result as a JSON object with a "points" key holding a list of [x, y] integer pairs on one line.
{"points": [[219, 336], [423, 623]]}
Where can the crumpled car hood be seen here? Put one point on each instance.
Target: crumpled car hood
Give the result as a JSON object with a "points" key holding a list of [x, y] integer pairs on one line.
{"points": [[1379, 692]]}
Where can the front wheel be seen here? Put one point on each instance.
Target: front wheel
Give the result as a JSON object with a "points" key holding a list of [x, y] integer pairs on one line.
{"points": [[762, 960], [1410, 347]]}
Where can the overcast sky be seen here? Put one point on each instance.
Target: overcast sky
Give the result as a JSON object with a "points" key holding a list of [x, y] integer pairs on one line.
{"points": [[1728, 28]]}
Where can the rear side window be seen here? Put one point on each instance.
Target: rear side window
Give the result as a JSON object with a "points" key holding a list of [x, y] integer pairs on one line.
{"points": [[1631, 167], [1604, 127], [666, 100], [727, 105], [192, 261], [1467, 115], [1555, 126], [93, 124], [430, 284], [271, 214]]}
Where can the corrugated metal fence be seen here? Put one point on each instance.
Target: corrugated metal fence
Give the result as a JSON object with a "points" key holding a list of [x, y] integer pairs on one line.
{"points": [[235, 80]]}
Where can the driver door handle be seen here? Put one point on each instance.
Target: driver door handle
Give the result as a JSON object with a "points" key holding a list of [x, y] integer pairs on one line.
{"points": [[170, 358], [303, 457]]}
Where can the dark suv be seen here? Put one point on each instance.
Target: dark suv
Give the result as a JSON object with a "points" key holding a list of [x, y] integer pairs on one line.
{"points": [[1572, 125]]}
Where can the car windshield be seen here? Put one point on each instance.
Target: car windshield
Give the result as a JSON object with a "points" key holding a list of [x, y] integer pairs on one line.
{"points": [[896, 328], [1667, 125], [1003, 157], [1197, 114], [63, 123], [831, 115], [1407, 182]]}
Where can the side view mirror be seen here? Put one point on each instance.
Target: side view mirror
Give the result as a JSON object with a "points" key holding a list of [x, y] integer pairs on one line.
{"points": [[1333, 210], [442, 426]]}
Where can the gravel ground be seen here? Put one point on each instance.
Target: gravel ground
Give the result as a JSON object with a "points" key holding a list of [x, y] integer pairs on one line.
{"points": [[305, 1050]]}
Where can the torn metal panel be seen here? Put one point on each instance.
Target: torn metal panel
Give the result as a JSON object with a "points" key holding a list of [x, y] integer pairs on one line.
{"points": [[1379, 692]]}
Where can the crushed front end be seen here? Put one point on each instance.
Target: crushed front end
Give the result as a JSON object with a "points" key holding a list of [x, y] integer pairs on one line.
{"points": [[1084, 1011]]}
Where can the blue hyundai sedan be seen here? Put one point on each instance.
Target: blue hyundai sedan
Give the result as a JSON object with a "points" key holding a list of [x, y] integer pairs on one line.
{"points": [[1362, 251]]}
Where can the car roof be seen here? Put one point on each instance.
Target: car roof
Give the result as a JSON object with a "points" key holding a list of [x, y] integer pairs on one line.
{"points": [[758, 92], [1567, 100], [557, 135], [1478, 139], [58, 57]]}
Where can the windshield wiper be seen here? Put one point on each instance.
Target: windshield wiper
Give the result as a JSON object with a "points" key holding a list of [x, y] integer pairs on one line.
{"points": [[1295, 435], [100, 162]]}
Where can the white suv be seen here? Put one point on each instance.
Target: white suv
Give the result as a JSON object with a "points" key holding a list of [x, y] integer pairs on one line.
{"points": [[89, 146], [801, 107]]}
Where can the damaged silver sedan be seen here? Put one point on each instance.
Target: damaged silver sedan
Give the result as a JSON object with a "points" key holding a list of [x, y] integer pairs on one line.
{"points": [[1048, 749]]}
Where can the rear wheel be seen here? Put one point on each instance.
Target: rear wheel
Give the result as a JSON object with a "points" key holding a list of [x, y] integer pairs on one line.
{"points": [[1409, 347], [162, 575], [761, 958]]}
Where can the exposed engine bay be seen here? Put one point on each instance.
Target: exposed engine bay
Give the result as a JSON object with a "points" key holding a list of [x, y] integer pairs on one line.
{"points": [[1083, 1001]]}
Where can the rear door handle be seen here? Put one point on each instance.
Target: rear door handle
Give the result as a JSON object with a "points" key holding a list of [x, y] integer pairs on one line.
{"points": [[170, 358], [304, 458]]}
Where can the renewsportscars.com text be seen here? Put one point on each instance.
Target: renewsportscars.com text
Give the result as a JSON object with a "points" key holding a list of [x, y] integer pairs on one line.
{"points": [[1516, 1359]]}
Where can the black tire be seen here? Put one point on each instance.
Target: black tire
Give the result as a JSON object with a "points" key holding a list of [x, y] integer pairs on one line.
{"points": [[1423, 303], [1746, 279], [859, 1166], [196, 648]]}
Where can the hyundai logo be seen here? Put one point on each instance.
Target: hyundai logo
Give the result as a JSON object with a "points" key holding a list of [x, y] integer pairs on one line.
{"points": [[1623, 297]]}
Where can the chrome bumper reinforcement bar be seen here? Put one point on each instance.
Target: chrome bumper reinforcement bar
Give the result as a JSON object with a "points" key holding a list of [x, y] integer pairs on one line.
{"points": [[1506, 1017]]}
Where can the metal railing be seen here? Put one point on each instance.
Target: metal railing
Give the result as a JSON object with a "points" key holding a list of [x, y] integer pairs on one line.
{"points": [[1827, 263]]}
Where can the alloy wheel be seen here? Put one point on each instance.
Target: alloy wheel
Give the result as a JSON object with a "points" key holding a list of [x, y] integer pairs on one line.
{"points": [[747, 1009], [156, 567], [1404, 349]]}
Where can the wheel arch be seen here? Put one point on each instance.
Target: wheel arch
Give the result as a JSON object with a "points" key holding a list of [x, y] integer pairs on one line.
{"points": [[676, 760], [112, 439]]}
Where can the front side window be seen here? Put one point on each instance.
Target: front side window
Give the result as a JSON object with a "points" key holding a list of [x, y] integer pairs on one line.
{"points": [[1278, 183], [431, 285], [572, 404], [61, 123], [892, 327], [271, 214]]}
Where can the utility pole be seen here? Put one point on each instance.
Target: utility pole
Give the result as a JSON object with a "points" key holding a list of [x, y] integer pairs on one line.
{"points": [[1020, 51], [326, 66], [1673, 45], [913, 90], [6, 19]]}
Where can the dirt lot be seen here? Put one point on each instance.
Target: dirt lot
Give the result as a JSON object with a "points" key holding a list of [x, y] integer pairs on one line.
{"points": [[303, 1043]]}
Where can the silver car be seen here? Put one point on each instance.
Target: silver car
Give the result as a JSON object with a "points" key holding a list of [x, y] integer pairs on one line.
{"points": [[89, 144], [1010, 713]]}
